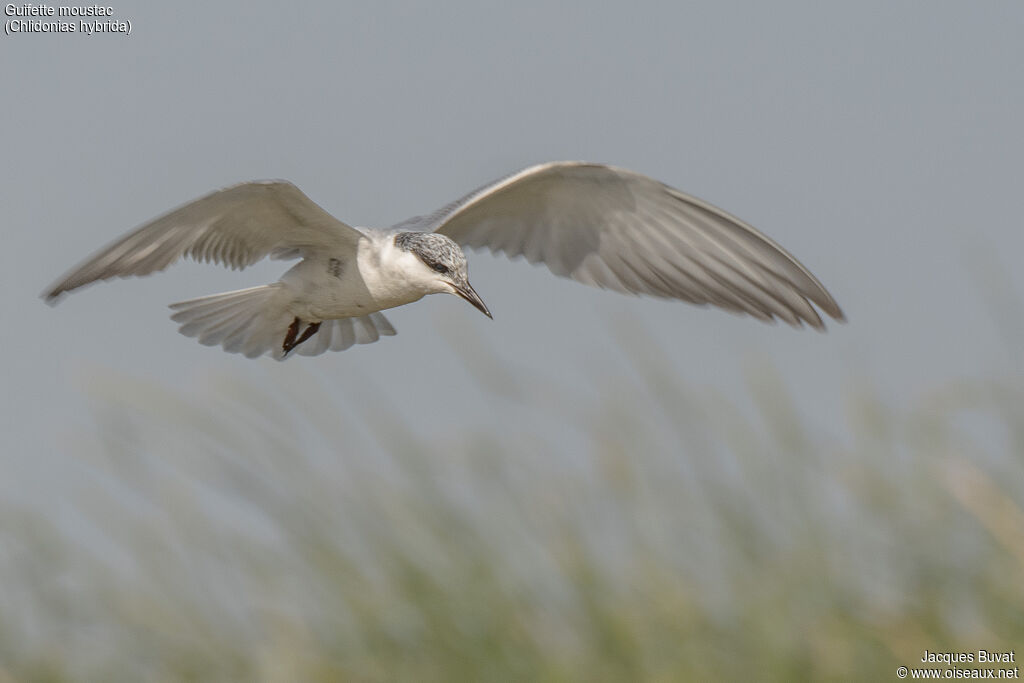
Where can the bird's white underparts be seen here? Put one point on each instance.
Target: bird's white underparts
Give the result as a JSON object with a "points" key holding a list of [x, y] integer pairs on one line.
{"points": [[602, 226]]}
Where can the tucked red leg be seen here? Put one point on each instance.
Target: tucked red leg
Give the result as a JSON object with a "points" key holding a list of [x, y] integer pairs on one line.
{"points": [[307, 333], [289, 338]]}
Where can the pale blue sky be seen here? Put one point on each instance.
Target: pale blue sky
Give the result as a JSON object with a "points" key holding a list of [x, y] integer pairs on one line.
{"points": [[880, 142]]}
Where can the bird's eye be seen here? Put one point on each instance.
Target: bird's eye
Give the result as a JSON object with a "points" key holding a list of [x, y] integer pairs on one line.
{"points": [[440, 267]]}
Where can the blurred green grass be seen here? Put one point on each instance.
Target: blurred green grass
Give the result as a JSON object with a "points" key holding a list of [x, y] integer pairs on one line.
{"points": [[254, 534]]}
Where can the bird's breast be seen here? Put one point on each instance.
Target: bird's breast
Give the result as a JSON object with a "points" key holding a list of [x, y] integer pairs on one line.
{"points": [[337, 286]]}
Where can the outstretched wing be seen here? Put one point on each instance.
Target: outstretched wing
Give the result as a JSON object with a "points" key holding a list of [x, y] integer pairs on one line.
{"points": [[235, 227], [615, 229]]}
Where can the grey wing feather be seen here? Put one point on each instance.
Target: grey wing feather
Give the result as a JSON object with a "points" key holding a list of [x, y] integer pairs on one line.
{"points": [[236, 227], [615, 229]]}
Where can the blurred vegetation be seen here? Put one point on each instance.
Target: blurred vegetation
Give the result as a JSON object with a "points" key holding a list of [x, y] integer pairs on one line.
{"points": [[252, 534]]}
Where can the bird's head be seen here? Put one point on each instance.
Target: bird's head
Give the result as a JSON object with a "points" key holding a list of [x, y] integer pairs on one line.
{"points": [[445, 264]]}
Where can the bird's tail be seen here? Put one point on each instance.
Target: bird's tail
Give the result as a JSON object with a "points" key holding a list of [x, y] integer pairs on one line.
{"points": [[255, 321], [249, 321]]}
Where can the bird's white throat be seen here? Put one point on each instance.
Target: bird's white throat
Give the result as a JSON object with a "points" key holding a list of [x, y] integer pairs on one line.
{"points": [[393, 274]]}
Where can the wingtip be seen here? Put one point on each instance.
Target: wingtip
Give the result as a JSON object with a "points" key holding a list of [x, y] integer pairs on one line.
{"points": [[818, 322], [836, 314], [52, 297], [834, 311]]}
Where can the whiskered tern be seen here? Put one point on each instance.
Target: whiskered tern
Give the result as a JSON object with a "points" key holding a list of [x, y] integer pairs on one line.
{"points": [[603, 226]]}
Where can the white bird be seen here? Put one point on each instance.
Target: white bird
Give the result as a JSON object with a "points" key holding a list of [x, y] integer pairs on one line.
{"points": [[602, 226]]}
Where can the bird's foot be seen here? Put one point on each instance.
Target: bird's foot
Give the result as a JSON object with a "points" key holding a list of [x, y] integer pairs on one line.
{"points": [[290, 340], [307, 333], [289, 337]]}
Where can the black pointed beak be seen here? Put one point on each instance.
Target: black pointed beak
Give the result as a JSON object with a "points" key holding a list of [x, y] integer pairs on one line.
{"points": [[467, 292]]}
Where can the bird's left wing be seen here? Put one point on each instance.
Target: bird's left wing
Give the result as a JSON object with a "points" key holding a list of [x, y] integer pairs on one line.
{"points": [[236, 227], [612, 228]]}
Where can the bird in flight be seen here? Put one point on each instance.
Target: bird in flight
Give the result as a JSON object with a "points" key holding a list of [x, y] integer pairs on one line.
{"points": [[600, 225]]}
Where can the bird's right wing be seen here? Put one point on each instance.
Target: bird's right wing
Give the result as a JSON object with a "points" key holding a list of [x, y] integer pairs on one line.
{"points": [[612, 228], [236, 227]]}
